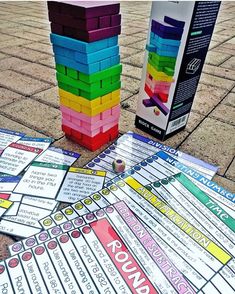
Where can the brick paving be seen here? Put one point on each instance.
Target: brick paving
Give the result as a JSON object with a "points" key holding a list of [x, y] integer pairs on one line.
{"points": [[29, 101]]}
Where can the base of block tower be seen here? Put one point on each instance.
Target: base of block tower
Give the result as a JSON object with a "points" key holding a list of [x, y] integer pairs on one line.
{"points": [[91, 143]]}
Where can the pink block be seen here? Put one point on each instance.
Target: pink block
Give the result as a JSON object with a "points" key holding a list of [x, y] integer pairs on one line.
{"points": [[90, 133], [106, 127], [67, 112], [89, 125]]}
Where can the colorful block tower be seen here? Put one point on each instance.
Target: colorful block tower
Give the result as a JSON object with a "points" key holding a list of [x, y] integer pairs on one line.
{"points": [[88, 70], [163, 50]]}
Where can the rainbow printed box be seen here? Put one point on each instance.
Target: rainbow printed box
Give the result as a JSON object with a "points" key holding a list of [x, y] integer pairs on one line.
{"points": [[85, 44], [178, 40]]}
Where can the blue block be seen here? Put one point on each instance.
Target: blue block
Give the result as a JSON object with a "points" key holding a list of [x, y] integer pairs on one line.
{"points": [[97, 56], [164, 41], [87, 68], [174, 22], [86, 58], [168, 53], [164, 47], [81, 46]]}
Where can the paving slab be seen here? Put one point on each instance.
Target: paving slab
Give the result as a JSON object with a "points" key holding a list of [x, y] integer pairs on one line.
{"points": [[21, 84], [131, 103], [219, 71], [130, 84], [229, 99], [124, 40], [227, 183], [125, 94], [135, 60], [49, 97], [216, 58], [11, 124], [193, 121], [207, 97], [224, 113], [12, 43], [36, 115], [230, 173], [13, 63], [131, 71], [127, 51], [7, 96], [39, 72], [216, 81], [25, 53], [41, 47], [140, 45], [229, 63], [212, 141]]}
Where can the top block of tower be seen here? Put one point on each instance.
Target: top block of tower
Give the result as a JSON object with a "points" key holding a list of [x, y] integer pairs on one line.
{"points": [[84, 9]]}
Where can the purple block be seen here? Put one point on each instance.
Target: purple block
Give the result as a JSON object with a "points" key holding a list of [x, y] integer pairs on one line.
{"points": [[157, 25], [148, 103], [67, 20], [166, 35], [104, 21], [90, 36], [115, 20], [159, 104], [55, 27], [174, 22], [84, 9]]}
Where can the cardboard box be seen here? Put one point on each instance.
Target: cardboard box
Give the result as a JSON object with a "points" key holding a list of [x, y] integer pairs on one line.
{"points": [[178, 40]]}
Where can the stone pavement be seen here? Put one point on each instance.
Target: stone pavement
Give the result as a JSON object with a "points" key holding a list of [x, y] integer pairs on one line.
{"points": [[28, 92]]}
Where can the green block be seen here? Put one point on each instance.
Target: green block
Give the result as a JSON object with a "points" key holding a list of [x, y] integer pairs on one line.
{"points": [[111, 71], [158, 58], [77, 83], [60, 68], [115, 78], [72, 73], [106, 82], [93, 95], [169, 71]]}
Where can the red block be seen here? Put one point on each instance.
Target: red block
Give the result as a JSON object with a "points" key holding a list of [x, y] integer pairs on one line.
{"points": [[91, 143], [163, 97], [148, 91]]}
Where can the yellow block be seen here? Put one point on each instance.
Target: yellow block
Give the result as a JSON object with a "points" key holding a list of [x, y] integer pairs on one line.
{"points": [[91, 108], [178, 220], [87, 171], [158, 75], [5, 203]]}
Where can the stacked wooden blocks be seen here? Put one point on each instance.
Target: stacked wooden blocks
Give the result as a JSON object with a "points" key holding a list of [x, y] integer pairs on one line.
{"points": [[163, 50], [88, 70]]}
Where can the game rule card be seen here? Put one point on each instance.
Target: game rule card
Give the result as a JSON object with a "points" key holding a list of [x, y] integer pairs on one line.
{"points": [[133, 148], [5, 204], [58, 156], [7, 137], [42, 180], [42, 143], [16, 157], [8, 183], [79, 183]]}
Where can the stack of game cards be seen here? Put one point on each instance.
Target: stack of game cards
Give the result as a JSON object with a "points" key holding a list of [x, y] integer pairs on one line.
{"points": [[163, 50], [85, 44]]}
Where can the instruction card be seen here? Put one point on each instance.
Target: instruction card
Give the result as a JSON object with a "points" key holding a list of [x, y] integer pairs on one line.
{"points": [[133, 148], [29, 211], [193, 255], [114, 251], [58, 156], [5, 204], [7, 137], [8, 183], [79, 183], [42, 179], [42, 143], [16, 157]]}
